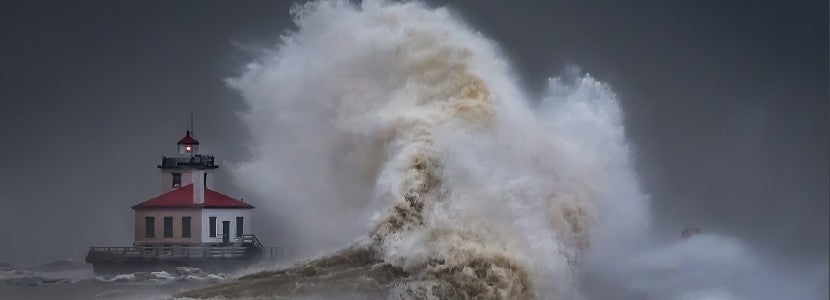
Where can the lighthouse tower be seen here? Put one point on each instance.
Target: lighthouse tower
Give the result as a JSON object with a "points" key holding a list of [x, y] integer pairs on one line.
{"points": [[188, 212], [187, 166]]}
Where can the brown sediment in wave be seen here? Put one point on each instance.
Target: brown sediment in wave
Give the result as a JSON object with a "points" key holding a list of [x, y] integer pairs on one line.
{"points": [[407, 214], [355, 270], [360, 271], [455, 273], [482, 277], [442, 225]]}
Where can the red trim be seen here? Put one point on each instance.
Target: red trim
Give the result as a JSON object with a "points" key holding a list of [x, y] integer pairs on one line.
{"points": [[188, 140], [183, 198]]}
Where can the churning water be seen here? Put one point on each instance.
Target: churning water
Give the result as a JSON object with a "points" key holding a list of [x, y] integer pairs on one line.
{"points": [[400, 132]]}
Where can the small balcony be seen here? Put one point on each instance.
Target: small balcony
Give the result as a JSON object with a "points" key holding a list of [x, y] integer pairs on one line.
{"points": [[196, 161]]}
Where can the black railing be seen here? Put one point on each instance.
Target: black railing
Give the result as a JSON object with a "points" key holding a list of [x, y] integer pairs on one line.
{"points": [[251, 239], [166, 251], [196, 160], [246, 246]]}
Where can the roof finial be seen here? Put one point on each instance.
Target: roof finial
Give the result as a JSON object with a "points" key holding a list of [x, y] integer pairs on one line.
{"points": [[191, 121]]}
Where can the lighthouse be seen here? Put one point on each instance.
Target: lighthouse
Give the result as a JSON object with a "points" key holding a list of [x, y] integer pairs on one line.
{"points": [[188, 212], [188, 224]]}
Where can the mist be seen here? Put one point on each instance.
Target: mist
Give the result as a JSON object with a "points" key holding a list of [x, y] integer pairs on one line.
{"points": [[722, 111], [335, 188]]}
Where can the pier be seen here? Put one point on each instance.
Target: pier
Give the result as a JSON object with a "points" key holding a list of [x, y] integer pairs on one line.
{"points": [[156, 257]]}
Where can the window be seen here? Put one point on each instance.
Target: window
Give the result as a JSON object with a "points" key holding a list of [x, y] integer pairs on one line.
{"points": [[212, 226], [177, 180], [168, 227], [149, 227], [185, 227], [239, 226]]}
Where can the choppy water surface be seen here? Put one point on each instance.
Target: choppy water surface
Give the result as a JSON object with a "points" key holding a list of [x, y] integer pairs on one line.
{"points": [[71, 280]]}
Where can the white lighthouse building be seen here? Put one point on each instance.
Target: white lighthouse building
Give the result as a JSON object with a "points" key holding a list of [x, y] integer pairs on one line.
{"points": [[188, 212], [188, 224]]}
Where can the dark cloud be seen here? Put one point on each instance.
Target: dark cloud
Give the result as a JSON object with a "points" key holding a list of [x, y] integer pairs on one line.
{"points": [[725, 103]]}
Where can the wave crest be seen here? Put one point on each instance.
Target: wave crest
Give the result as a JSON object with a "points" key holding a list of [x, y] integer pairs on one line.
{"points": [[398, 129]]}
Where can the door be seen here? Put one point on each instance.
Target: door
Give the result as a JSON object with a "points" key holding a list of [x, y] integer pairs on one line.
{"points": [[239, 226], [226, 231]]}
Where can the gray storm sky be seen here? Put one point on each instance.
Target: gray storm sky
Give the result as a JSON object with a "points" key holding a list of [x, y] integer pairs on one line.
{"points": [[726, 106]]}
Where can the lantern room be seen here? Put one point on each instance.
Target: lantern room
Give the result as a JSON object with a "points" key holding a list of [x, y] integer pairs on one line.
{"points": [[188, 144]]}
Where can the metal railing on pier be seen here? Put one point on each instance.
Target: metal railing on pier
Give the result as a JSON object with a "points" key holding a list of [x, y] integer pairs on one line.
{"points": [[273, 253], [244, 247], [169, 251]]}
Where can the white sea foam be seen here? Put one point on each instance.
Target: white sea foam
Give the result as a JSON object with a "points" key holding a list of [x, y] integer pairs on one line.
{"points": [[399, 129], [401, 123], [164, 277]]}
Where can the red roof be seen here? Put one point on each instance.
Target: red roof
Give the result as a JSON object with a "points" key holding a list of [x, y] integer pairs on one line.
{"points": [[188, 140], [183, 198]]}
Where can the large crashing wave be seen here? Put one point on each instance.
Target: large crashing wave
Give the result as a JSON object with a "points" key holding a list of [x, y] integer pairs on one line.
{"points": [[399, 130]]}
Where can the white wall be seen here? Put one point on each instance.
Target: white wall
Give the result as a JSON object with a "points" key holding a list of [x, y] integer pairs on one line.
{"points": [[198, 186], [225, 214]]}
